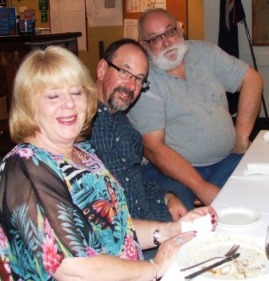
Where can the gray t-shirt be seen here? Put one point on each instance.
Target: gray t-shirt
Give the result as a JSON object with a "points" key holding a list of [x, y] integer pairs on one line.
{"points": [[194, 112]]}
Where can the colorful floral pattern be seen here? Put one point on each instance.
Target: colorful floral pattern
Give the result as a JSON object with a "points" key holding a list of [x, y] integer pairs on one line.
{"points": [[52, 208], [5, 271]]}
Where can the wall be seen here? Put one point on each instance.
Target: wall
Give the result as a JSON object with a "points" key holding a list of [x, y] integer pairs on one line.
{"points": [[196, 19], [30, 4], [106, 34], [109, 34], [203, 17], [211, 16], [95, 34]]}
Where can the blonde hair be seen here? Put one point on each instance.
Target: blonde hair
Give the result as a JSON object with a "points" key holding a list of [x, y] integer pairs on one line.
{"points": [[53, 67]]}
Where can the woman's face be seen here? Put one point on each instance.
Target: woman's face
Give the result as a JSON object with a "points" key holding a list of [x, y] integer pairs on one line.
{"points": [[60, 114]]}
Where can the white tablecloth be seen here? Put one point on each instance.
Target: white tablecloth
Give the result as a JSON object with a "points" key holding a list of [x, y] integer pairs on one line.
{"points": [[251, 191]]}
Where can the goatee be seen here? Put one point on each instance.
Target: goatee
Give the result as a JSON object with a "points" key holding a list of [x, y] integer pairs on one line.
{"points": [[166, 64]]}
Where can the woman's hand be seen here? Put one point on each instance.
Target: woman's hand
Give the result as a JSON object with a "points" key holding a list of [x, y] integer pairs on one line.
{"points": [[176, 229], [200, 212], [168, 250]]}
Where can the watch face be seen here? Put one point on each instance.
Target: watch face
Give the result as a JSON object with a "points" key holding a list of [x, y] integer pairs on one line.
{"points": [[156, 237]]}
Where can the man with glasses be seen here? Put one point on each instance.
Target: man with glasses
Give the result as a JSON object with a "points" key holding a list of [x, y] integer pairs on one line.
{"points": [[121, 75], [191, 143]]}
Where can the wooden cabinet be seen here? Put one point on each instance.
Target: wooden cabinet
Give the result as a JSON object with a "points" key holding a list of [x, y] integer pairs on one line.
{"points": [[12, 51]]}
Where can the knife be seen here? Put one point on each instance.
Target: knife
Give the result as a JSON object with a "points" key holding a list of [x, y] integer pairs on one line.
{"points": [[213, 265]]}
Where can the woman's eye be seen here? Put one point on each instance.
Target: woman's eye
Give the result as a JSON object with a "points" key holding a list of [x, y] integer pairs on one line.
{"points": [[52, 97], [76, 93]]}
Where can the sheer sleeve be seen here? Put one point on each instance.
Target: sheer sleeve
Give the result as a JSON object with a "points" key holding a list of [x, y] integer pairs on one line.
{"points": [[39, 217]]}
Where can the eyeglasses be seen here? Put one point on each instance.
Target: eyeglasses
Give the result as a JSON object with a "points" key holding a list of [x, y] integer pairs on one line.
{"points": [[167, 34], [125, 74]]}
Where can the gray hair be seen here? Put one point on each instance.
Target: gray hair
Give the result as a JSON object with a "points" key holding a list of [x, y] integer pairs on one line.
{"points": [[149, 12]]}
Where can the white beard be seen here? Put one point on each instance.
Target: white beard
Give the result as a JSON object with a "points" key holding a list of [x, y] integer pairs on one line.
{"points": [[166, 64]]}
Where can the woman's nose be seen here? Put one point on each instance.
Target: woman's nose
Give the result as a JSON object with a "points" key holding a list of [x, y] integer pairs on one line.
{"points": [[68, 101]]}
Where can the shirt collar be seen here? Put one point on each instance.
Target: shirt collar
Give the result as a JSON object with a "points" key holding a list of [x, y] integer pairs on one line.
{"points": [[103, 108]]}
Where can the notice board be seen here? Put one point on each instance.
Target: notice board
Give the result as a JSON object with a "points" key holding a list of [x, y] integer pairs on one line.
{"points": [[177, 7]]}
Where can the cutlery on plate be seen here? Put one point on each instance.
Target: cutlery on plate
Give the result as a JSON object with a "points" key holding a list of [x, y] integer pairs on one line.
{"points": [[198, 272], [267, 242], [231, 252]]}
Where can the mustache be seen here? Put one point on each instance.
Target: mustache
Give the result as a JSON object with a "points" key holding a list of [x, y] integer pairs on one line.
{"points": [[163, 62], [166, 50], [124, 90]]}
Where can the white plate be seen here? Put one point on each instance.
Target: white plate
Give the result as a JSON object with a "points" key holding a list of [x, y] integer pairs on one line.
{"points": [[252, 260], [237, 216]]}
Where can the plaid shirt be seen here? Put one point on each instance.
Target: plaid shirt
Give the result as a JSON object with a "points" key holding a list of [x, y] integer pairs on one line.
{"points": [[120, 147]]}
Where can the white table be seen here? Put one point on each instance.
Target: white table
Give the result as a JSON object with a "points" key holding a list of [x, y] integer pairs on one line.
{"points": [[251, 191]]}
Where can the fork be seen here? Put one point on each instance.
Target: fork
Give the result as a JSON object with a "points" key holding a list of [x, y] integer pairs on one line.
{"points": [[231, 252]]}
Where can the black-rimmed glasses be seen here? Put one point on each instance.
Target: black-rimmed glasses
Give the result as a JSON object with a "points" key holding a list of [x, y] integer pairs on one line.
{"points": [[125, 74], [167, 34]]}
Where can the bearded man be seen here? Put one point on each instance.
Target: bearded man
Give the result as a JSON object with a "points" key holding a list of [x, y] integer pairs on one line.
{"points": [[191, 145], [121, 75]]}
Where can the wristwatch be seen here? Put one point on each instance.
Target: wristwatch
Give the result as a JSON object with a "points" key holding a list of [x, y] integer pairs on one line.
{"points": [[156, 237]]}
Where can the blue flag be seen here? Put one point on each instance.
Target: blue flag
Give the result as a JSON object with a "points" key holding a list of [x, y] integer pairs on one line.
{"points": [[231, 12]]}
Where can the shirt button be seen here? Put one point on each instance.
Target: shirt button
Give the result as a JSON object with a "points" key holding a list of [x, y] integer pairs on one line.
{"points": [[117, 139], [123, 159], [105, 109], [99, 110], [127, 179]]}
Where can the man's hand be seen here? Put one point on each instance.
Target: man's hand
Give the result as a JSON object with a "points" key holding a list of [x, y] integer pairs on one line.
{"points": [[241, 145], [175, 207], [207, 193]]}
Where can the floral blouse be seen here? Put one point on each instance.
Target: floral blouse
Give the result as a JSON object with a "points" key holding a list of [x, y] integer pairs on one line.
{"points": [[52, 208]]}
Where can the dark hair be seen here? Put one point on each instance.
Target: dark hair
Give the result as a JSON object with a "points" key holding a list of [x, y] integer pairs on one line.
{"points": [[113, 47]]}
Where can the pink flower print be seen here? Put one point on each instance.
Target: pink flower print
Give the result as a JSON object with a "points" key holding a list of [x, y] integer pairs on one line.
{"points": [[47, 228], [7, 271], [3, 239], [90, 252], [130, 251], [51, 259], [57, 157], [25, 152]]}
